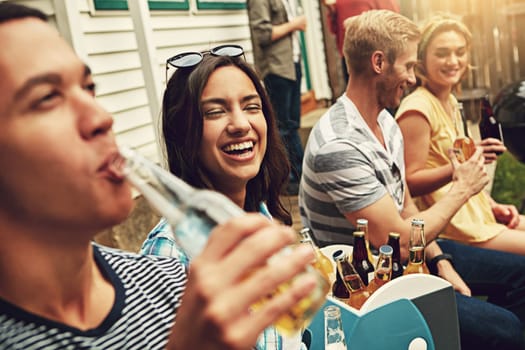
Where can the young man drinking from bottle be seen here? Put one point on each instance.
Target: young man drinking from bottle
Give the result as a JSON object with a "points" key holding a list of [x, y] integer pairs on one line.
{"points": [[60, 290]]}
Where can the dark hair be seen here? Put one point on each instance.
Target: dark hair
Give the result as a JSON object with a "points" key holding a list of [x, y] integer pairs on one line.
{"points": [[182, 126], [10, 11]]}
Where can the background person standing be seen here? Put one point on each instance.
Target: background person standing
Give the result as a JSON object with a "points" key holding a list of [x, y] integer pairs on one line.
{"points": [[274, 26], [340, 10]]}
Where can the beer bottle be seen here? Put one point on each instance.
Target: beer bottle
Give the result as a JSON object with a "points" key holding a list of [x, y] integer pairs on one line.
{"points": [[334, 332], [416, 248], [352, 281], [383, 272], [397, 267], [360, 260], [464, 146], [339, 290], [362, 225], [321, 263], [197, 212], [488, 125]]}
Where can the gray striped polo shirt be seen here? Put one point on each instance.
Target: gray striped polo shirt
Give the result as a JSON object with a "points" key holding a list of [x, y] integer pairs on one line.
{"points": [[346, 168]]}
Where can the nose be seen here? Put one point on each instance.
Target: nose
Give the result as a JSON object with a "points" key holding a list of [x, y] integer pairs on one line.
{"points": [[93, 119], [238, 122], [452, 59], [411, 77]]}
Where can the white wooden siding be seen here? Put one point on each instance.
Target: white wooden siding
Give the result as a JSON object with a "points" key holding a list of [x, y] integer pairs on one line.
{"points": [[107, 41]]}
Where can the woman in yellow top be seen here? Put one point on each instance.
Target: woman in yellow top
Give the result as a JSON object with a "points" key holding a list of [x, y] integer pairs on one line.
{"points": [[430, 121]]}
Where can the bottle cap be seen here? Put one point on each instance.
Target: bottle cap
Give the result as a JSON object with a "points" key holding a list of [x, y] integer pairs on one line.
{"points": [[338, 255], [362, 221], [386, 250], [418, 222]]}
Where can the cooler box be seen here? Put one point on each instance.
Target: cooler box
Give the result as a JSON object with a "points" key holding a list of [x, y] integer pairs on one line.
{"points": [[412, 312]]}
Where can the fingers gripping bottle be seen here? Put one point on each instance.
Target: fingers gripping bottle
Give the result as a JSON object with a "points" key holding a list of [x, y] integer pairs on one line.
{"points": [[193, 213]]}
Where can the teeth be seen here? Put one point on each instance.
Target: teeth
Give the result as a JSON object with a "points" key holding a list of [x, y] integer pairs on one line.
{"points": [[239, 146]]}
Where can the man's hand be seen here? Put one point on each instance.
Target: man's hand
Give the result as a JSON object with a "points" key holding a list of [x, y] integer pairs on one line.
{"points": [[471, 175], [491, 148], [447, 272], [231, 275]]}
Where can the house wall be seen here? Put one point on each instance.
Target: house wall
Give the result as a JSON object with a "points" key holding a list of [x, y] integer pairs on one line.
{"points": [[111, 44]]}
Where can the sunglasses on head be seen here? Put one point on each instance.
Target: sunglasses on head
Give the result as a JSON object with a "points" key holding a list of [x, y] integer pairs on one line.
{"points": [[193, 58]]}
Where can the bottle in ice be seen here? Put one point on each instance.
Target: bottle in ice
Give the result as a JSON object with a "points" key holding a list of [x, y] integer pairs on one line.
{"points": [[488, 125], [352, 281], [339, 290], [383, 271], [416, 249], [321, 262], [334, 331], [193, 213], [397, 266], [362, 265], [362, 225]]}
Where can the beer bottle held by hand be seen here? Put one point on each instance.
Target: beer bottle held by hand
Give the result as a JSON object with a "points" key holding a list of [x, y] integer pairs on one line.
{"points": [[339, 290], [464, 146], [362, 225], [194, 212], [416, 249], [352, 281], [488, 125], [360, 260], [383, 272], [397, 267]]}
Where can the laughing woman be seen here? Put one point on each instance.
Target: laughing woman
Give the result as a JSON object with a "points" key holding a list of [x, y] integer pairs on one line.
{"points": [[430, 122], [220, 134]]}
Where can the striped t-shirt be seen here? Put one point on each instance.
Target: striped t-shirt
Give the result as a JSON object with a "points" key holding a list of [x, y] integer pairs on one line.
{"points": [[346, 169], [148, 291]]}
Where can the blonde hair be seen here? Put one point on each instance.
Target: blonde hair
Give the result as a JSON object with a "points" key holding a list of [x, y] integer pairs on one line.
{"points": [[376, 30], [434, 26]]}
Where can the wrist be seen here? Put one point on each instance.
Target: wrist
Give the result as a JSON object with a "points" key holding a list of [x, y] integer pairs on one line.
{"points": [[433, 263]]}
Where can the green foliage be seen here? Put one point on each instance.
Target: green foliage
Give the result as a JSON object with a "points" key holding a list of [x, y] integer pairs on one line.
{"points": [[509, 182]]}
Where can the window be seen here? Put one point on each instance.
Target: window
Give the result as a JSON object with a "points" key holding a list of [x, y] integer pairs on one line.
{"points": [[153, 5], [221, 4]]}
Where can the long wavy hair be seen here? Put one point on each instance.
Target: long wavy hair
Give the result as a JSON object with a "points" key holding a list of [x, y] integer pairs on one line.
{"points": [[182, 127]]}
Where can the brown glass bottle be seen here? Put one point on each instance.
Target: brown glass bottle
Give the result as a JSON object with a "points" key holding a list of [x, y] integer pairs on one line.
{"points": [[383, 271], [339, 290], [416, 249], [362, 264], [352, 281], [397, 267], [488, 125], [362, 225]]}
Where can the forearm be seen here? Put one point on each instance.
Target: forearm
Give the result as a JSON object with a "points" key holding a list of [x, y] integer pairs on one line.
{"points": [[425, 181], [439, 215], [281, 30]]}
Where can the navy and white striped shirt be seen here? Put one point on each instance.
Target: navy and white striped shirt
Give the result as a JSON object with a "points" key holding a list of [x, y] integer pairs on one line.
{"points": [[346, 168], [148, 291]]}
